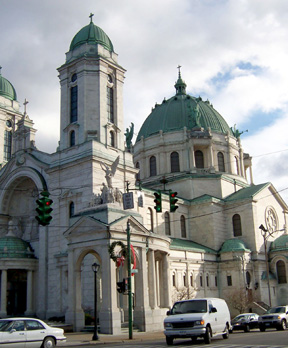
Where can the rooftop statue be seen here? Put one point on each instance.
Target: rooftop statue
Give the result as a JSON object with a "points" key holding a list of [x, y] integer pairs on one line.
{"points": [[110, 171], [129, 135]]}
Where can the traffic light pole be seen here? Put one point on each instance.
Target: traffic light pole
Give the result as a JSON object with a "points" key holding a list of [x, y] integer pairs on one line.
{"points": [[130, 306]]}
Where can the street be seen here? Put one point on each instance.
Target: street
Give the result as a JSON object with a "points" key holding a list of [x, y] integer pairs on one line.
{"points": [[253, 339]]}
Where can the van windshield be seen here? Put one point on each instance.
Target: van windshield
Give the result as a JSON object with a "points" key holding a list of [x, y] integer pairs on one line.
{"points": [[195, 306]]}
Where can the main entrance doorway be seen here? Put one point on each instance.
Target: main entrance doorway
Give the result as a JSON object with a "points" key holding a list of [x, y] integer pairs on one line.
{"points": [[16, 292]]}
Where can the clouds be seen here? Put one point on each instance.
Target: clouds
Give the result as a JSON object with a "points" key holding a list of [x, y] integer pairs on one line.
{"points": [[232, 52]]}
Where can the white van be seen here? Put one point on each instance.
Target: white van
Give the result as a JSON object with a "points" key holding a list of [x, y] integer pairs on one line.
{"points": [[201, 317]]}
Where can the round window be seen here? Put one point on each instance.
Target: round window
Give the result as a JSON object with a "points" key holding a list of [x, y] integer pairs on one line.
{"points": [[9, 123], [74, 77]]}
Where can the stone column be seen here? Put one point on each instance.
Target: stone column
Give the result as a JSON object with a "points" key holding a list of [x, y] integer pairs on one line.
{"points": [[70, 313], [211, 157], [42, 274], [142, 311], [29, 296], [166, 282], [3, 312], [110, 315], [152, 279]]}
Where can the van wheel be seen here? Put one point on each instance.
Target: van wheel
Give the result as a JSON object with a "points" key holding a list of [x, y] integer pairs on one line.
{"points": [[262, 328], [169, 341], [226, 334], [207, 336]]}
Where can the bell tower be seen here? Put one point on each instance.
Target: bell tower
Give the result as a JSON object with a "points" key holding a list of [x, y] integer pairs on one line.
{"points": [[91, 91]]}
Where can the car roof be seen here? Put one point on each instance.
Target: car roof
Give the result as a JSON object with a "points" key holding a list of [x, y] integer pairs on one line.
{"points": [[20, 318]]}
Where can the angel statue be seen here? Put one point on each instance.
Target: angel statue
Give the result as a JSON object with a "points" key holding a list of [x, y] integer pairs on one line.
{"points": [[110, 171], [129, 135]]}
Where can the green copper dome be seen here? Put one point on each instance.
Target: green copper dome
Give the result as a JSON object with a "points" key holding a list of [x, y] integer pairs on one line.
{"points": [[14, 247], [233, 244], [91, 34], [280, 243], [181, 111], [6, 89]]}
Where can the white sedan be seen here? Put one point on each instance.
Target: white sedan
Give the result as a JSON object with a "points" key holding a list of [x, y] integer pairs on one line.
{"points": [[29, 333]]}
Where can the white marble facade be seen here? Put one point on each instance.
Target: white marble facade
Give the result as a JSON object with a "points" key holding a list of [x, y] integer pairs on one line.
{"points": [[200, 254]]}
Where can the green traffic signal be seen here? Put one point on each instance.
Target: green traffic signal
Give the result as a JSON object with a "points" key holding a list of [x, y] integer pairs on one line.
{"points": [[173, 200], [44, 209], [158, 202]]}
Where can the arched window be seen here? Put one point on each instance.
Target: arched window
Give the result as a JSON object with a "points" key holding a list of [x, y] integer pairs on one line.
{"points": [[7, 145], [167, 224], [174, 159], [71, 209], [138, 174], [236, 165], [281, 272], [248, 278], [72, 138], [74, 102], [191, 280], [112, 139], [150, 222], [153, 170], [221, 164], [173, 279], [199, 159], [110, 105], [183, 226], [237, 229]]}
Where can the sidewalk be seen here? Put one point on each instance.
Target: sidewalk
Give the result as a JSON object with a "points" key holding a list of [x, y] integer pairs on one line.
{"points": [[81, 338]]}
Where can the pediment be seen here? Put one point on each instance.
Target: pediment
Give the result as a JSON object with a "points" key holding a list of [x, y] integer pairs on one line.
{"points": [[135, 225], [85, 226]]}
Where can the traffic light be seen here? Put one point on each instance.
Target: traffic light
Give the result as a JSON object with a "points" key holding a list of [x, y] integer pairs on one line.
{"points": [[158, 202], [122, 287], [173, 201], [44, 209]]}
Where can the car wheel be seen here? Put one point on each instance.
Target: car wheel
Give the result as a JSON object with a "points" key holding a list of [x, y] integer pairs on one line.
{"points": [[283, 325], [247, 328], [169, 341], [48, 342], [262, 328], [226, 333], [207, 336]]}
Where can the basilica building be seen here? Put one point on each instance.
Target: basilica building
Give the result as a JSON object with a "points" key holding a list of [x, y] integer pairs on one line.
{"points": [[227, 238]]}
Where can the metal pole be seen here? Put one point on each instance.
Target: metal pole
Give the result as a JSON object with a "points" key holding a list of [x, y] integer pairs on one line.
{"points": [[130, 304], [267, 268], [95, 335]]}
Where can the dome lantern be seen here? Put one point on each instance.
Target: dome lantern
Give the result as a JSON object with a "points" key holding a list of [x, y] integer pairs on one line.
{"points": [[180, 85]]}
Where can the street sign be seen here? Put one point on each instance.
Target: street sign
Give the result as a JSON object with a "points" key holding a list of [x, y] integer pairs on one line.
{"points": [[128, 202]]}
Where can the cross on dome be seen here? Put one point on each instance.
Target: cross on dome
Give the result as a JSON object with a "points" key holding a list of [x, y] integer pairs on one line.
{"points": [[91, 16]]}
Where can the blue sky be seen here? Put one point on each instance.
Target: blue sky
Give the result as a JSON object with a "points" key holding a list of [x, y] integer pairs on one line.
{"points": [[232, 52]]}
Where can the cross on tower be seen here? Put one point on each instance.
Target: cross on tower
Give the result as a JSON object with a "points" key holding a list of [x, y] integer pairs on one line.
{"points": [[91, 15], [179, 72], [25, 103]]}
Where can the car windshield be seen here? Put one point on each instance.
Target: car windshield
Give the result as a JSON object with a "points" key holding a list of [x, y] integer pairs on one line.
{"points": [[5, 325], [197, 306], [241, 316], [276, 310]]}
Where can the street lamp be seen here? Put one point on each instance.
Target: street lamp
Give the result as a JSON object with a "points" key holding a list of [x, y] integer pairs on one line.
{"points": [[95, 268], [265, 235]]}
